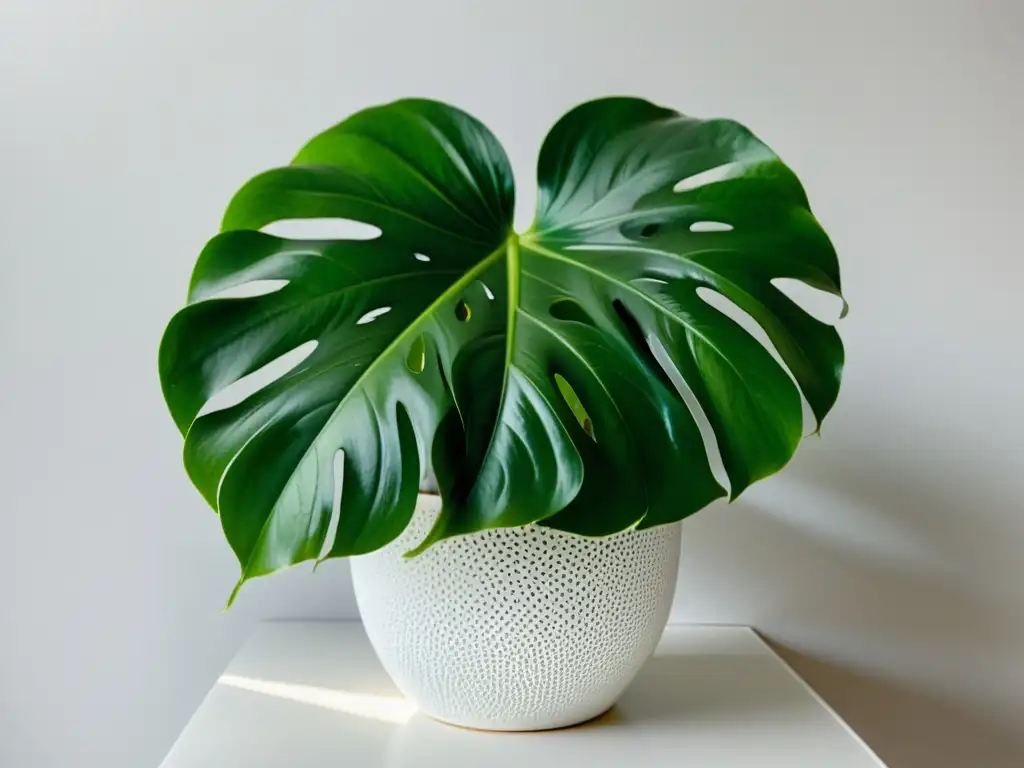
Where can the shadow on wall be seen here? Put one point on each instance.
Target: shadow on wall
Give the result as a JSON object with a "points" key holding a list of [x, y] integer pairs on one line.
{"points": [[890, 579]]}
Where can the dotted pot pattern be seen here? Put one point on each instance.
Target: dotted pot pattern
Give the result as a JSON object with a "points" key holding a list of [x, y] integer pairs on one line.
{"points": [[516, 628]]}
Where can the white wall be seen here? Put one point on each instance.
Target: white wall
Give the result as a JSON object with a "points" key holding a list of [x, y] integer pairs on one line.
{"points": [[885, 561]]}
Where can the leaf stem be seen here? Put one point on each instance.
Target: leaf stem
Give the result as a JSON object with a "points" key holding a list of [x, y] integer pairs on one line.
{"points": [[512, 270]]}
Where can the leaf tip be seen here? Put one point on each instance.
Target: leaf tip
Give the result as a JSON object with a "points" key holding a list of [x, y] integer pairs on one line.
{"points": [[234, 594], [421, 547], [323, 559]]}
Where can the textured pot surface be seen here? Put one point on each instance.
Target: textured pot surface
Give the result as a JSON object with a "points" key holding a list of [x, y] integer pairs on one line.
{"points": [[518, 628]]}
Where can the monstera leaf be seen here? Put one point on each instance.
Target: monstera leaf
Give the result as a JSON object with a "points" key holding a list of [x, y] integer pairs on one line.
{"points": [[534, 376]]}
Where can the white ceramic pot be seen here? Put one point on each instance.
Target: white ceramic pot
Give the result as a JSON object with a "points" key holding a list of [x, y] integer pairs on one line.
{"points": [[518, 628]]}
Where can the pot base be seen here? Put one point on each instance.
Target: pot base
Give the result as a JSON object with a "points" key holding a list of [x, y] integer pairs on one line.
{"points": [[608, 715]]}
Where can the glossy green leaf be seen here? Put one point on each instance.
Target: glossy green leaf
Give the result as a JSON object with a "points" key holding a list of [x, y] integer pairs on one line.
{"points": [[519, 371]]}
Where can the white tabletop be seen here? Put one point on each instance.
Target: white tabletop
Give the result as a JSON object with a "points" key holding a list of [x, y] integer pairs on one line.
{"points": [[313, 695]]}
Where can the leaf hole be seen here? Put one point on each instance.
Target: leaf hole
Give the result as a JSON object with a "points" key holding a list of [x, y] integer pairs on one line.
{"points": [[249, 290], [658, 362], [710, 176], [421, 257], [633, 329], [462, 311], [570, 309], [442, 373], [823, 306], [338, 474], [262, 377], [639, 281], [707, 433], [575, 405], [710, 226], [731, 310], [372, 315], [649, 230], [416, 360], [323, 229]]}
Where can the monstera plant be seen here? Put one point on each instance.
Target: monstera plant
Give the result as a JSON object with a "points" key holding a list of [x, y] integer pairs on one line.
{"points": [[535, 377]]}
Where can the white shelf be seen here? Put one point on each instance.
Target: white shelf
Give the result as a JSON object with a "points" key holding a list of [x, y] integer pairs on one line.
{"points": [[313, 695]]}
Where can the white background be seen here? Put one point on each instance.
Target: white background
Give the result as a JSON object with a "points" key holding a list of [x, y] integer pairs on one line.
{"points": [[885, 561]]}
